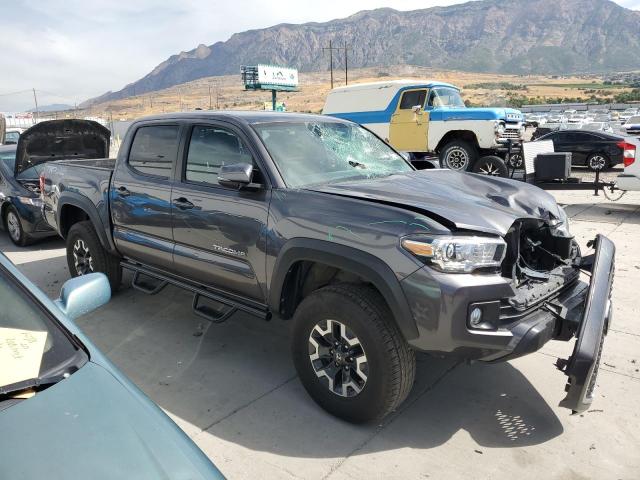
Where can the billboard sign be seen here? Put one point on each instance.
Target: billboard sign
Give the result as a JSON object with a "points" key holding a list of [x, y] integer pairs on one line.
{"points": [[272, 75]]}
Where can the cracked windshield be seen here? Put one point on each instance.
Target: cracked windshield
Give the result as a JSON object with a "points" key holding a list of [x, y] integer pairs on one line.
{"points": [[308, 153]]}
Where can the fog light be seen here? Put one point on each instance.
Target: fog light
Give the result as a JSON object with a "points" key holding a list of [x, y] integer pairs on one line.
{"points": [[475, 317]]}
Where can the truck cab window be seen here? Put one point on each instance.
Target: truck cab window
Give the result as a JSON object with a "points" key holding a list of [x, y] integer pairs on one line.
{"points": [[445, 97], [154, 149], [210, 148], [412, 98]]}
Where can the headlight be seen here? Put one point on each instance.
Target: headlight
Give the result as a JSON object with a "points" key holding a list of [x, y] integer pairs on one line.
{"points": [[36, 201], [523, 130], [458, 254], [500, 128]]}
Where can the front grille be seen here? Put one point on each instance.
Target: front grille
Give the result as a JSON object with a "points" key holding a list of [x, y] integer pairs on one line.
{"points": [[510, 134]]}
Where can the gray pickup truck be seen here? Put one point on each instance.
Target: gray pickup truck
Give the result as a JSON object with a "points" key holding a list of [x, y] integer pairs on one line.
{"points": [[317, 221]]}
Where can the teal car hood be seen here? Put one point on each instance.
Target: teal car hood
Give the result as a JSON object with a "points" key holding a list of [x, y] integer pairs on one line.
{"points": [[451, 114], [91, 426]]}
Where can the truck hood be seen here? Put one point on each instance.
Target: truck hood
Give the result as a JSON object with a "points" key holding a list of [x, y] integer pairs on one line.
{"points": [[90, 426], [463, 201], [61, 139], [451, 114]]}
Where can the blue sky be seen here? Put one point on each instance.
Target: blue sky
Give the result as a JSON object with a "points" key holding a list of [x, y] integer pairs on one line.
{"points": [[71, 50]]}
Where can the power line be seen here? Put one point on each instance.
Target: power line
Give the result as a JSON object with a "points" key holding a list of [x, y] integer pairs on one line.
{"points": [[15, 93]]}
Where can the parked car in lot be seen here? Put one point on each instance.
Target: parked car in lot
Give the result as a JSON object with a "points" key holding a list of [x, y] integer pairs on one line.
{"points": [[596, 150], [596, 127], [629, 179], [65, 410], [627, 114], [20, 203], [632, 125], [428, 118], [11, 135], [316, 220]]}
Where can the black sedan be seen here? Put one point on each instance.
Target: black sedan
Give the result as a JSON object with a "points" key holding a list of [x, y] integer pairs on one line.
{"points": [[596, 150], [20, 204]]}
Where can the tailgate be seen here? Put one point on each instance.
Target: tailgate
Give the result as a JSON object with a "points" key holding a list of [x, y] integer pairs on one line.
{"points": [[582, 366]]}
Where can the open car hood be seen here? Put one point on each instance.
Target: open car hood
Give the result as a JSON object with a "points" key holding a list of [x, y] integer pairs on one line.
{"points": [[61, 139], [456, 200]]}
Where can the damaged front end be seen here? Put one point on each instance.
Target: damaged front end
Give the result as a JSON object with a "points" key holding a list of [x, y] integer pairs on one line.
{"points": [[544, 262], [542, 258]]}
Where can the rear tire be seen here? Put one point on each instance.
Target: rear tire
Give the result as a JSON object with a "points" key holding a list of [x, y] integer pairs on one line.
{"points": [[598, 161], [85, 254], [13, 226], [491, 166], [371, 371], [458, 155]]}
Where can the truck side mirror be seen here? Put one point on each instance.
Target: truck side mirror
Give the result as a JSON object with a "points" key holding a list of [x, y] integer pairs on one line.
{"points": [[237, 175], [417, 109]]}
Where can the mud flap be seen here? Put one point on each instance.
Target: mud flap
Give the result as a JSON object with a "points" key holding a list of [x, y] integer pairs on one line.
{"points": [[582, 366]]}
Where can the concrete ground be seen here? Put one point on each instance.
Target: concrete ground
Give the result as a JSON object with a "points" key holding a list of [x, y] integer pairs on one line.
{"points": [[233, 389]]}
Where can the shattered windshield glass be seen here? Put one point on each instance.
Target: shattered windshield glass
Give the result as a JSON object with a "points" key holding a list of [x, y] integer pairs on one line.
{"points": [[312, 152]]}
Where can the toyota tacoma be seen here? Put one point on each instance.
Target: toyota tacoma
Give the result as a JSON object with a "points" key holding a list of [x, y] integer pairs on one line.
{"points": [[318, 221]]}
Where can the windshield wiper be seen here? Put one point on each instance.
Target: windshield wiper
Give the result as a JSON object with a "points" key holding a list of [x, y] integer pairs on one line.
{"points": [[30, 384]]}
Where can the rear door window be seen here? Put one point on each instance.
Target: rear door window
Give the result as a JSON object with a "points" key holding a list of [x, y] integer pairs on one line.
{"points": [[154, 150], [211, 147], [412, 98]]}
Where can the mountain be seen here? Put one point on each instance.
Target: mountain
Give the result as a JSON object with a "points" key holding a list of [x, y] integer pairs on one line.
{"points": [[55, 107], [500, 36]]}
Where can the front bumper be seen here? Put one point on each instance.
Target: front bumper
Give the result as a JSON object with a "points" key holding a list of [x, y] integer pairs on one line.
{"points": [[440, 304], [582, 366]]}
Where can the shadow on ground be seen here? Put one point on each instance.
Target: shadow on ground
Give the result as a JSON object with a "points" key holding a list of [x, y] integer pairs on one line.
{"points": [[236, 382]]}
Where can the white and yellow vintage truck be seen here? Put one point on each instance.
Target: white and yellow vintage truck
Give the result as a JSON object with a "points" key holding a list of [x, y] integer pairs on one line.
{"points": [[429, 117]]}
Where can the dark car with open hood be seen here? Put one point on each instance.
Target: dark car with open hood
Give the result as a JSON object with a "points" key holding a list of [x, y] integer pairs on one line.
{"points": [[20, 166], [317, 221]]}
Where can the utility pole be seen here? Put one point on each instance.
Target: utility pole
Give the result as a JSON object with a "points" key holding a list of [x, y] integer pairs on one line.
{"points": [[346, 63], [331, 48], [35, 99]]}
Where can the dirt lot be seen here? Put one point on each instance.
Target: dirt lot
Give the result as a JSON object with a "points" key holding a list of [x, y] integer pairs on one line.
{"points": [[226, 92], [233, 389]]}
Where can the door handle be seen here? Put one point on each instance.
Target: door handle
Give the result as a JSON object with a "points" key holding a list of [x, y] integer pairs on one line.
{"points": [[123, 191], [183, 204]]}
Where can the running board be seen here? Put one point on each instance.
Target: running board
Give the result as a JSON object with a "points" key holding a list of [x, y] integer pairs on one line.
{"points": [[229, 301], [149, 288], [208, 312]]}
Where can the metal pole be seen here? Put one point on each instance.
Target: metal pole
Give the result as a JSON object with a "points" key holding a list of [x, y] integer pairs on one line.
{"points": [[273, 99], [331, 62], [346, 64], [35, 98]]}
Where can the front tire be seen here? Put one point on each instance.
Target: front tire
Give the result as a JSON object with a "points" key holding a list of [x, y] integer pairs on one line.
{"points": [[13, 226], [458, 155], [349, 353], [85, 254]]}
